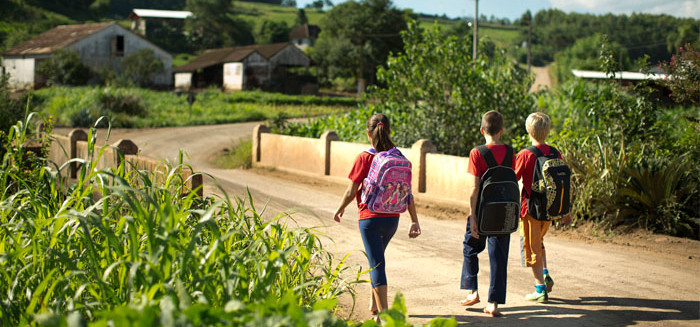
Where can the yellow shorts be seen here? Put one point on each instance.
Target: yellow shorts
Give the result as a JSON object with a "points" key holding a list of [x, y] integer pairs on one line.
{"points": [[533, 231]]}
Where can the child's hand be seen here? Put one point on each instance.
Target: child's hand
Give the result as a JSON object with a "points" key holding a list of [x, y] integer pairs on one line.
{"points": [[414, 231], [472, 227], [338, 214]]}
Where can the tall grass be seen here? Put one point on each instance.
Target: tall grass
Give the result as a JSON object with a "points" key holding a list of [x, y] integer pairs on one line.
{"points": [[123, 238], [79, 106]]}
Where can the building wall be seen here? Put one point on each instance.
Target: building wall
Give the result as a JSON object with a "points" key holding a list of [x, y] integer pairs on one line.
{"points": [[97, 51], [233, 76], [21, 70], [183, 80], [291, 56]]}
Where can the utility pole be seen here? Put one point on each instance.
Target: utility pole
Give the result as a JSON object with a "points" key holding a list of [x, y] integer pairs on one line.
{"points": [[476, 33], [529, 46]]}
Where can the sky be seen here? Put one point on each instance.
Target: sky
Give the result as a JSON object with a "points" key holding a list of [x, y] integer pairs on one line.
{"points": [[513, 9]]}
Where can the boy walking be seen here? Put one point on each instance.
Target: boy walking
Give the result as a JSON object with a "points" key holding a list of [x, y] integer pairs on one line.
{"points": [[533, 230], [492, 129]]}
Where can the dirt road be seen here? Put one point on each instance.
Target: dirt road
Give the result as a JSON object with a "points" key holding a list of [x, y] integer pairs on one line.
{"points": [[596, 284]]}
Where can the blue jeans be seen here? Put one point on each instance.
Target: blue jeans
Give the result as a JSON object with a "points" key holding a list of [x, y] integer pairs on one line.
{"points": [[376, 234], [498, 258]]}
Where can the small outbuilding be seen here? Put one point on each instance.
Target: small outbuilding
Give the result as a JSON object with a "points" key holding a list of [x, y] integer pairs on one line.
{"points": [[143, 20], [99, 45], [247, 67], [304, 36]]}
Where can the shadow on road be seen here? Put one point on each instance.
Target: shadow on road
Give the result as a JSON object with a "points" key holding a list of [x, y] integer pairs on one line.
{"points": [[586, 311]]}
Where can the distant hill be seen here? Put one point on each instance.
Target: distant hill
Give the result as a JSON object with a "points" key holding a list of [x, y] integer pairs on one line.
{"points": [[24, 19]]}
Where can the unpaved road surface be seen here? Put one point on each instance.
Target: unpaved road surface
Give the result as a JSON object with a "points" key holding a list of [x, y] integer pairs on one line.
{"points": [[596, 284], [542, 78]]}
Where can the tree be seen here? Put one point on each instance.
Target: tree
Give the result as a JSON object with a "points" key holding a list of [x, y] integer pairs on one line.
{"points": [[142, 66], [584, 54], [272, 32], [435, 90], [317, 4], [213, 25], [64, 68], [684, 76], [357, 37], [289, 3], [301, 18]]}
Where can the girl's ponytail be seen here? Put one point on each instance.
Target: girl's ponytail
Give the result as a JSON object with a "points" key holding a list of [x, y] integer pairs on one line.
{"points": [[379, 127]]}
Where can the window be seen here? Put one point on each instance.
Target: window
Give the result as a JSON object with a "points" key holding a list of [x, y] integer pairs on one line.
{"points": [[118, 46]]}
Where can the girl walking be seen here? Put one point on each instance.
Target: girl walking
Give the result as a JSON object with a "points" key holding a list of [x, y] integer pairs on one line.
{"points": [[376, 229]]}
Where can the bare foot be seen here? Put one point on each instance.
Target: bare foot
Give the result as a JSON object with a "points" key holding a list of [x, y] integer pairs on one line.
{"points": [[492, 311], [372, 304]]}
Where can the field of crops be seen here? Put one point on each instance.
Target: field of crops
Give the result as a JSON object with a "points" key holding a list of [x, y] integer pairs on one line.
{"points": [[122, 247], [135, 107]]}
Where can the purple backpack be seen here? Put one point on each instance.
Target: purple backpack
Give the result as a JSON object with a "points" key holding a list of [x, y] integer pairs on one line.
{"points": [[387, 187]]}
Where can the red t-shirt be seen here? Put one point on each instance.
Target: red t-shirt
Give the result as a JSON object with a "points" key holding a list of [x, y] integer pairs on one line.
{"points": [[525, 168], [359, 171], [477, 164]]}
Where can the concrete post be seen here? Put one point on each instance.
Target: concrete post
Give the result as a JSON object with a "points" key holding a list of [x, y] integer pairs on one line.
{"points": [[423, 147], [74, 136], [327, 137], [197, 181], [257, 131], [124, 147]]}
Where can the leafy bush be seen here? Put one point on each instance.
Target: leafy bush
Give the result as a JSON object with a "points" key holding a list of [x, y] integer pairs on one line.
{"points": [[11, 110], [684, 76], [629, 156], [64, 67], [436, 90], [142, 66]]}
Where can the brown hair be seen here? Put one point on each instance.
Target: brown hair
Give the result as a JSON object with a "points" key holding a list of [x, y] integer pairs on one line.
{"points": [[380, 130], [492, 122]]}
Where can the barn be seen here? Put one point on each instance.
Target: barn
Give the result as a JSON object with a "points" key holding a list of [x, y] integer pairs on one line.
{"points": [[247, 67], [99, 45]]}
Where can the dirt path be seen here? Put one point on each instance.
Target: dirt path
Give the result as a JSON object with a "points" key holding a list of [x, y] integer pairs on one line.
{"points": [[597, 284], [542, 78]]}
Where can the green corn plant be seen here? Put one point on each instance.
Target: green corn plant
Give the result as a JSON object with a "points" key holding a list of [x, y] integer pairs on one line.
{"points": [[122, 237]]}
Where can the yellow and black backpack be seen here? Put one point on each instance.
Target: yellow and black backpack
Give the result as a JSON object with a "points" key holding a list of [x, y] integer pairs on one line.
{"points": [[550, 197]]}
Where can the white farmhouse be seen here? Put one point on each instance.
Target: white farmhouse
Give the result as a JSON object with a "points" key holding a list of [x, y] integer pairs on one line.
{"points": [[99, 45]]}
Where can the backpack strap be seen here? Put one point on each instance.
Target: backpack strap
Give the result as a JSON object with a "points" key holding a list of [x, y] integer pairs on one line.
{"points": [[487, 155], [491, 160], [508, 160], [553, 152], [535, 150]]}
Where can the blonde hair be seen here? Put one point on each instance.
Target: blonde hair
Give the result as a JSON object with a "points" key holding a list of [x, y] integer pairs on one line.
{"points": [[537, 125]]}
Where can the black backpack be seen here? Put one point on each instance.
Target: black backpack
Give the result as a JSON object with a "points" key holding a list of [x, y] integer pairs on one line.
{"points": [[498, 205], [549, 198]]}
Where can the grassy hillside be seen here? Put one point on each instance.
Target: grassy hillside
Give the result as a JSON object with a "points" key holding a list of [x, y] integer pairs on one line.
{"points": [[21, 22], [257, 12]]}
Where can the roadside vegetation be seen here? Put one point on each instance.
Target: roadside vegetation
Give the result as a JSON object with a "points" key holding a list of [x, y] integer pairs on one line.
{"points": [[136, 107], [125, 247], [240, 155]]}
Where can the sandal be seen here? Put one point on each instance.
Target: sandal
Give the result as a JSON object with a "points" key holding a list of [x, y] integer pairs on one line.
{"points": [[469, 302]]}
